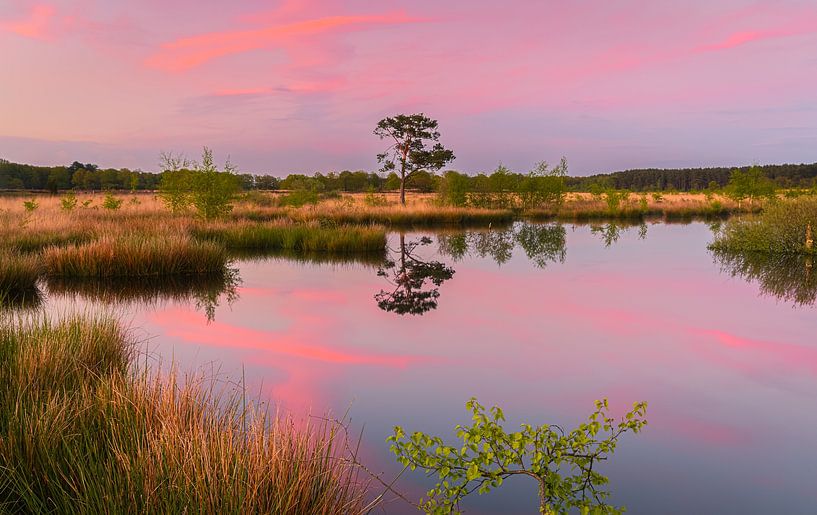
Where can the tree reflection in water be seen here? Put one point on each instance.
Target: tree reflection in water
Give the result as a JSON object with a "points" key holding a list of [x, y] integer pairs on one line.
{"points": [[611, 231], [787, 277], [408, 274], [542, 243]]}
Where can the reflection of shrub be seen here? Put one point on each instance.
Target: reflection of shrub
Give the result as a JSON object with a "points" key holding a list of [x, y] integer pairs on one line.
{"points": [[788, 277]]}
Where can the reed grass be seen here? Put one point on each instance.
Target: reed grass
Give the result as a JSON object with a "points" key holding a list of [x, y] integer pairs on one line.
{"points": [[80, 433], [136, 256], [301, 238], [18, 274]]}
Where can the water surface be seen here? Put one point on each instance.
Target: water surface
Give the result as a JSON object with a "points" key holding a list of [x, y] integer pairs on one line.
{"points": [[542, 320]]}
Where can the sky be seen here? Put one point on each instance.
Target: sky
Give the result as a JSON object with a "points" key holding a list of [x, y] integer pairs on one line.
{"points": [[298, 86]]}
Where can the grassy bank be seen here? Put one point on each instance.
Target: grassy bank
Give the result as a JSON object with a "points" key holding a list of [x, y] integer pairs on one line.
{"points": [[80, 432], [785, 227]]}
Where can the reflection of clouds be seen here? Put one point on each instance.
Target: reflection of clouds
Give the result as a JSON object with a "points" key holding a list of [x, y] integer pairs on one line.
{"points": [[181, 324], [305, 362]]}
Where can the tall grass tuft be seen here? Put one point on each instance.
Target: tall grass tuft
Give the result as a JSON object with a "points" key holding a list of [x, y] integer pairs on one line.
{"points": [[785, 227], [18, 275], [80, 433], [136, 255], [302, 238]]}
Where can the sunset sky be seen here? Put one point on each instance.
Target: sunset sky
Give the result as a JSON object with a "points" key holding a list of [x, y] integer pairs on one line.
{"points": [[298, 86]]}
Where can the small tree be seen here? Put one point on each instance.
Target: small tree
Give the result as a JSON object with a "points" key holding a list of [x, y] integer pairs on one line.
{"points": [[544, 185], [751, 184], [453, 189], [174, 185], [562, 463], [69, 201], [409, 153], [212, 191], [111, 202], [502, 184]]}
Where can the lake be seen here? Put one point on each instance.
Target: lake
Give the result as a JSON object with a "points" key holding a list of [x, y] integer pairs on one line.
{"points": [[539, 319]]}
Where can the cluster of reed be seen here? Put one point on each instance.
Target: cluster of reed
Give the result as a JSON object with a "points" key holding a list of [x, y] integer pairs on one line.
{"points": [[18, 275], [135, 256], [81, 432], [303, 237]]}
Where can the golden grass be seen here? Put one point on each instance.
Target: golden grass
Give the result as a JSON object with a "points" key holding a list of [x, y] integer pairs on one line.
{"points": [[80, 433], [135, 256]]}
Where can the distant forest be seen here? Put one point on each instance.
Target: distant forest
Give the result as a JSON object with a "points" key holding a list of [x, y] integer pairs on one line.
{"points": [[90, 177]]}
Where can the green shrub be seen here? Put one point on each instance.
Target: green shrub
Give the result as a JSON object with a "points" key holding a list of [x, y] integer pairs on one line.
{"points": [[299, 198], [785, 227], [30, 205], [373, 199], [212, 191], [69, 201], [111, 202]]}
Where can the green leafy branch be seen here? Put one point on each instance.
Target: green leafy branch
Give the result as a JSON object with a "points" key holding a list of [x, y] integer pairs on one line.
{"points": [[561, 462]]}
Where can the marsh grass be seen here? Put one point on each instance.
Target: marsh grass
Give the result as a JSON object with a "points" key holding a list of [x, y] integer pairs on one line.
{"points": [[782, 228], [18, 276], [299, 238], [81, 431], [136, 256]]}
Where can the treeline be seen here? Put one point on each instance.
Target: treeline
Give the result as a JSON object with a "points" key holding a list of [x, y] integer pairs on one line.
{"points": [[90, 177], [693, 179]]}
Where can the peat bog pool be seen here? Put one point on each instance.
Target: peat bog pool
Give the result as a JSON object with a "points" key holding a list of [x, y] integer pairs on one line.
{"points": [[539, 319]]}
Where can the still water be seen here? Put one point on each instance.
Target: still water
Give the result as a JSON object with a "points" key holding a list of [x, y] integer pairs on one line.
{"points": [[541, 320]]}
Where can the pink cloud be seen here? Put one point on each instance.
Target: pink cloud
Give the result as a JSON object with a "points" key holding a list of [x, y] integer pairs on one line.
{"points": [[185, 53], [35, 25], [740, 38]]}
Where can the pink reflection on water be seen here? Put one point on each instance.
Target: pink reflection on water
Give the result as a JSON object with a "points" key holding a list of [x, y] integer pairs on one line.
{"points": [[188, 326]]}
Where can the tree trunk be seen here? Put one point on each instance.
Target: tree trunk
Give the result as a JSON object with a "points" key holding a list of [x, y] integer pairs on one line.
{"points": [[809, 238], [403, 191]]}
